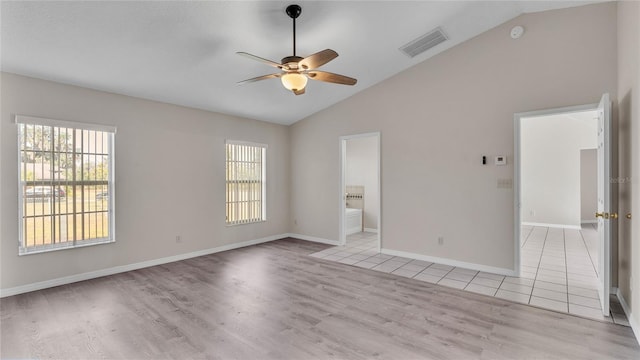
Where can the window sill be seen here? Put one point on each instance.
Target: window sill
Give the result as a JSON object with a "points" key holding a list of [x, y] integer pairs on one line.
{"points": [[55, 247], [247, 223]]}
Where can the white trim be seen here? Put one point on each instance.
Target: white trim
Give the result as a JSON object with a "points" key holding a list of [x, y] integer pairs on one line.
{"points": [[111, 134], [559, 226], [627, 311], [557, 111], [19, 220], [246, 143], [33, 120], [590, 221], [516, 196], [314, 239], [234, 161], [342, 198], [371, 230], [445, 261], [135, 266]]}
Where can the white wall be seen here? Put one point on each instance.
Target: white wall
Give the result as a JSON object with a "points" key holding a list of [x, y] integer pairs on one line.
{"points": [[628, 106], [588, 184], [550, 166], [170, 178], [362, 169], [436, 121]]}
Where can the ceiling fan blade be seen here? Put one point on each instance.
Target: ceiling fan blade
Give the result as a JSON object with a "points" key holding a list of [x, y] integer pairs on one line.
{"points": [[258, 58], [318, 59], [263, 77], [331, 77], [299, 92]]}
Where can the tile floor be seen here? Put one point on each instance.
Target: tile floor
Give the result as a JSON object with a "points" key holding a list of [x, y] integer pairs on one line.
{"points": [[558, 271]]}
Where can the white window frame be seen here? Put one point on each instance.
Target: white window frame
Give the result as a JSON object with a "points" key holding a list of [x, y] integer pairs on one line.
{"points": [[32, 120], [263, 182]]}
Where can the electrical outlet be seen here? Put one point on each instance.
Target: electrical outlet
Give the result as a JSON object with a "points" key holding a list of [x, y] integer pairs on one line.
{"points": [[178, 239], [440, 240]]}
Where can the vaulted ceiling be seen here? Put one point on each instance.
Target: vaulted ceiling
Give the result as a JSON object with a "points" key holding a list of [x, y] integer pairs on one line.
{"points": [[184, 53]]}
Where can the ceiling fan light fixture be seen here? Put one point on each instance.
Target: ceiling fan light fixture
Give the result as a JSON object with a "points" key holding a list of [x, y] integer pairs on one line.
{"points": [[296, 70], [294, 81]]}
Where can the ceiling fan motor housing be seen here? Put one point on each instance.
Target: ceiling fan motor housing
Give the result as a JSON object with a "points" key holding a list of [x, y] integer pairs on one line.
{"points": [[291, 62]]}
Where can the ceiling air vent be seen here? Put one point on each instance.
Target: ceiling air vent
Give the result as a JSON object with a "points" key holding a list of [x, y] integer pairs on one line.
{"points": [[424, 43]]}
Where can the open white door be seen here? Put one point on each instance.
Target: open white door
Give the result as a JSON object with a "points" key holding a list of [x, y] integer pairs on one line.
{"points": [[604, 202]]}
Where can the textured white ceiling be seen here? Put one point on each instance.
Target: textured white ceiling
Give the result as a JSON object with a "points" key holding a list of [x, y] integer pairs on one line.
{"points": [[184, 52]]}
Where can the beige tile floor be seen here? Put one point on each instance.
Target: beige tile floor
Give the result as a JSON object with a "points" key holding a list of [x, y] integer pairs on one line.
{"points": [[558, 271]]}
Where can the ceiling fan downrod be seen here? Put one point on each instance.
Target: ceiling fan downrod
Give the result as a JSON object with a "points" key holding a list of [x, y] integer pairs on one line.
{"points": [[294, 11]]}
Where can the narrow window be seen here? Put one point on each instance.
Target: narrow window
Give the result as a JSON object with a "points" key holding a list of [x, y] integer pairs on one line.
{"points": [[246, 183], [66, 184]]}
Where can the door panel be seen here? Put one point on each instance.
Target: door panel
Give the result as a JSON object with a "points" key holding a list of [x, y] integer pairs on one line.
{"points": [[604, 202]]}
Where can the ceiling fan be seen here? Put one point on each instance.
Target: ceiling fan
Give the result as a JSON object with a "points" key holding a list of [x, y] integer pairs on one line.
{"points": [[295, 69]]}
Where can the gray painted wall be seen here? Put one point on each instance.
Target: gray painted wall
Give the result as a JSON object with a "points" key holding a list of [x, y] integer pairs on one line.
{"points": [[438, 118], [170, 178], [628, 105]]}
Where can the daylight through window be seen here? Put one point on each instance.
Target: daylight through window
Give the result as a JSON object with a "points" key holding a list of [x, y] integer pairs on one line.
{"points": [[66, 184], [245, 169]]}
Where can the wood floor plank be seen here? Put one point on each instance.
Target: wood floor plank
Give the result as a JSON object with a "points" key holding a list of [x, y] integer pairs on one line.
{"points": [[272, 301]]}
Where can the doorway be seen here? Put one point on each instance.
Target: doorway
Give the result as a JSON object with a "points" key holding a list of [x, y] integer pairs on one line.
{"points": [[558, 245], [359, 205]]}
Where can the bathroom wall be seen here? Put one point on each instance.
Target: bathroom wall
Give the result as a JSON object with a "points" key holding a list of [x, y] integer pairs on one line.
{"points": [[362, 169]]}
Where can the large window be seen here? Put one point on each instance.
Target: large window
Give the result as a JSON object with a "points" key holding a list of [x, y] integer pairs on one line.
{"points": [[245, 182], [66, 184]]}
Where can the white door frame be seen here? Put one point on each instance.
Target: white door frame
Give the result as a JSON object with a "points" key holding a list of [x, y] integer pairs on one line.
{"points": [[517, 196], [341, 195]]}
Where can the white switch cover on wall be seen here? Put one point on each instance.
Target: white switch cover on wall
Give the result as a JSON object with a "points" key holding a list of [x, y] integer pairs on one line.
{"points": [[501, 160]]}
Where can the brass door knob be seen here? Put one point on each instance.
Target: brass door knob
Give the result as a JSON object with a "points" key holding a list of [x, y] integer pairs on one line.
{"points": [[603, 215], [614, 215], [629, 216]]}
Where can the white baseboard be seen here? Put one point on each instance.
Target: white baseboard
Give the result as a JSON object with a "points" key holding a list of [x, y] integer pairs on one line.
{"points": [[445, 261], [371, 230], [124, 268], [314, 239], [590, 221], [558, 226], [634, 325]]}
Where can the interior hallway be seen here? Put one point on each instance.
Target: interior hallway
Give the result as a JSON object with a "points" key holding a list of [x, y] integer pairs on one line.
{"points": [[558, 271]]}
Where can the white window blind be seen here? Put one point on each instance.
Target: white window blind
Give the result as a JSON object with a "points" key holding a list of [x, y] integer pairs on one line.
{"points": [[245, 182], [66, 184]]}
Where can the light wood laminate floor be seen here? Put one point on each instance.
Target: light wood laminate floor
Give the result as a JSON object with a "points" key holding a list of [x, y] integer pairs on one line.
{"points": [[272, 301]]}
